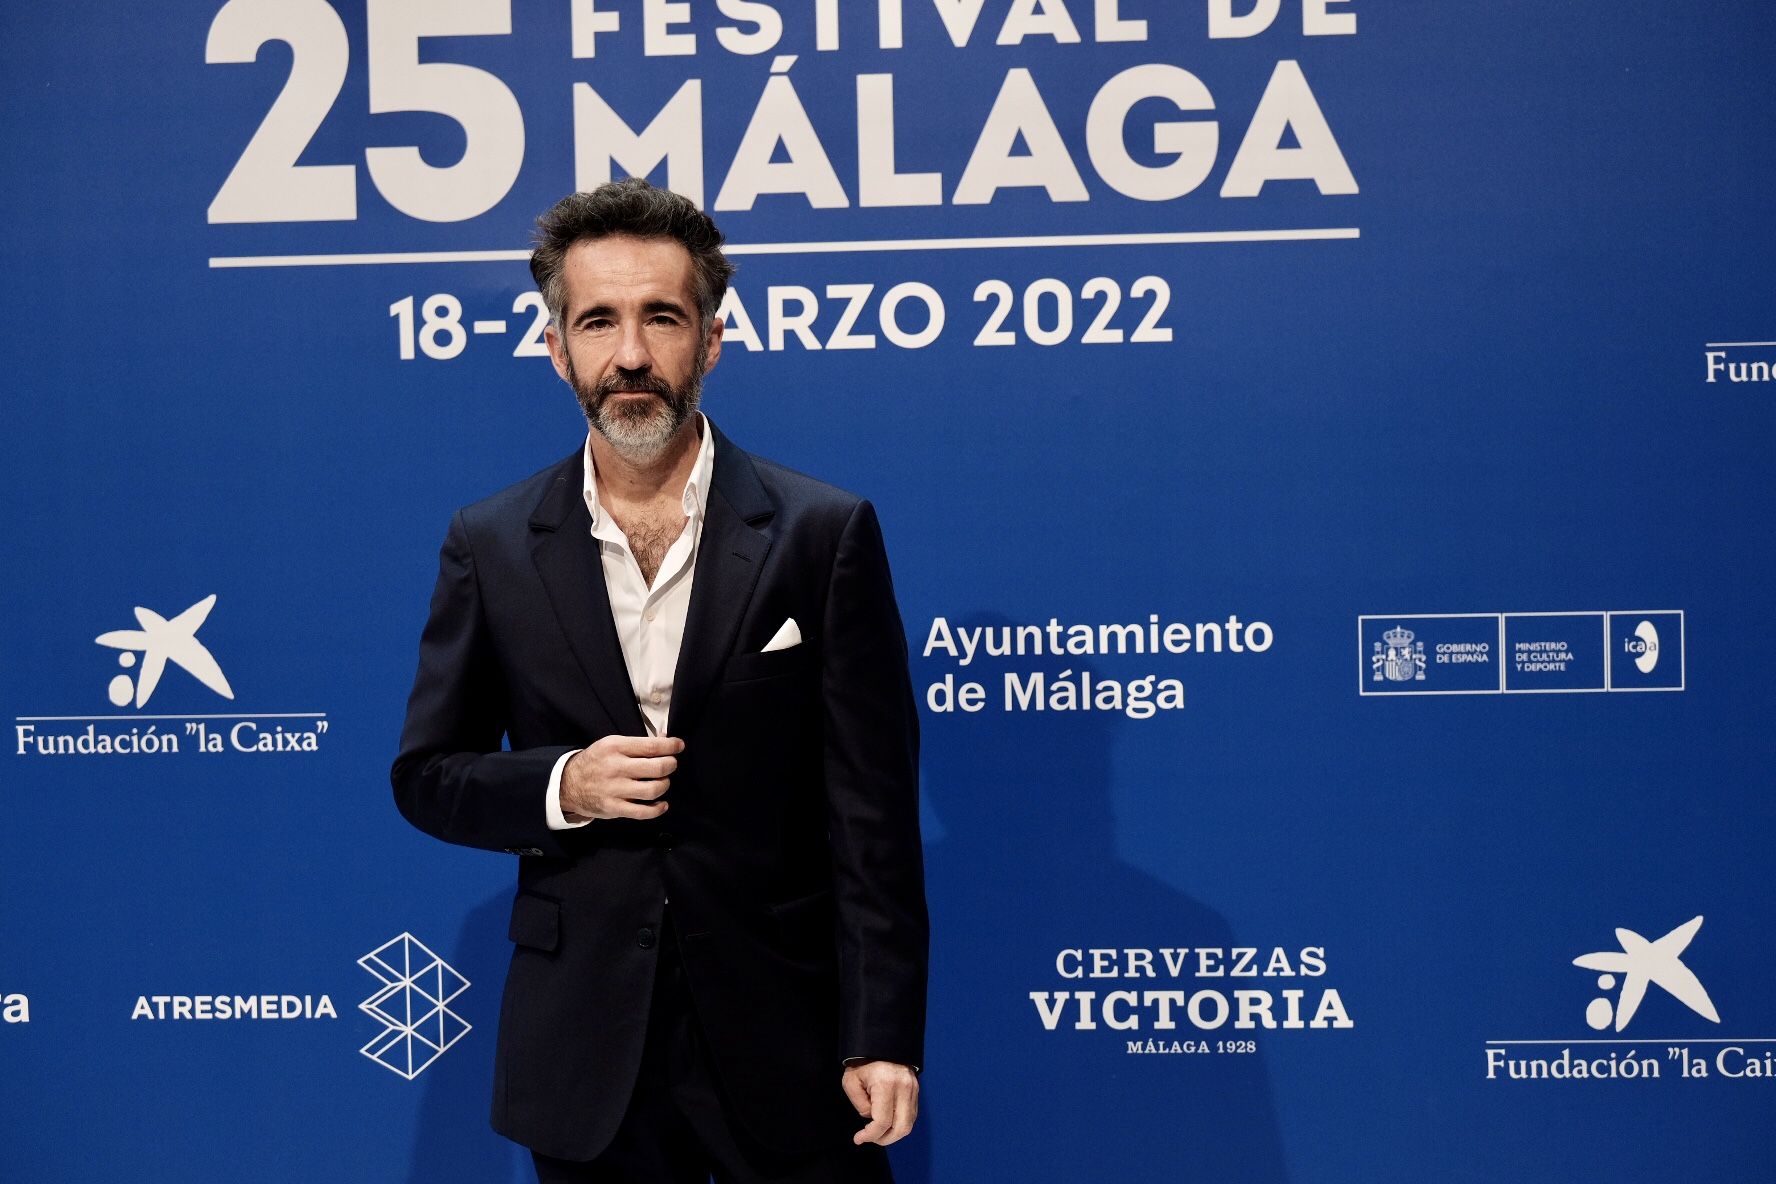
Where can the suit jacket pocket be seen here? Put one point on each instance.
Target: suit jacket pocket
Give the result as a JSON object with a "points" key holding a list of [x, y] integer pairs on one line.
{"points": [[536, 922], [746, 667], [806, 922]]}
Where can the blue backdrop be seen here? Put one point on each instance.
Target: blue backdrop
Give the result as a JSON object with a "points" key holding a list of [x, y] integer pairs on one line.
{"points": [[1430, 343]]}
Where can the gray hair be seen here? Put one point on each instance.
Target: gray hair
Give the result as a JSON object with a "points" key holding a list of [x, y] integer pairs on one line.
{"points": [[632, 207]]}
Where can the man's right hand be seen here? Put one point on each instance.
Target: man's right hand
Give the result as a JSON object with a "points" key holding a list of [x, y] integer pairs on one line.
{"points": [[619, 777]]}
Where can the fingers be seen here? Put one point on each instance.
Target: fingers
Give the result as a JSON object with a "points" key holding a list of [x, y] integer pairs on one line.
{"points": [[854, 1090], [645, 745], [865, 1103], [879, 1125], [621, 777], [890, 1102], [619, 771], [620, 780], [639, 799], [906, 1111], [619, 808], [641, 791]]}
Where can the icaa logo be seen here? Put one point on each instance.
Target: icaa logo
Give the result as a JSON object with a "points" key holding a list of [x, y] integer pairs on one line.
{"points": [[1643, 647]]}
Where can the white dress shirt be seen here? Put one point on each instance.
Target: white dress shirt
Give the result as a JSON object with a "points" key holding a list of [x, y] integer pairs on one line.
{"points": [[650, 621]]}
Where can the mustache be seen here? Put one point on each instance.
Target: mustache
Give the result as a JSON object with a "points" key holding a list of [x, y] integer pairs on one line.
{"points": [[632, 380]]}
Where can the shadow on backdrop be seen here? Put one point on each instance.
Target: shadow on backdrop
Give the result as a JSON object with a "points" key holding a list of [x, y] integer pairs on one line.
{"points": [[453, 1139], [1021, 865]]}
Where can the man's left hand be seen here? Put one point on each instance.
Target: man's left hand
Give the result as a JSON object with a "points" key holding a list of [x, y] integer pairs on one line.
{"points": [[885, 1093]]}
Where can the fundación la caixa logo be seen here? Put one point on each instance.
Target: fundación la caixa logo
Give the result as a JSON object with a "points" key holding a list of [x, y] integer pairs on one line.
{"points": [[1642, 963], [1628, 976], [1530, 653], [1739, 361], [162, 643]]}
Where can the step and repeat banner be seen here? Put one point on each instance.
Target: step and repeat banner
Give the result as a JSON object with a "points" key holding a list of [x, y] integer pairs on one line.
{"points": [[1324, 451]]}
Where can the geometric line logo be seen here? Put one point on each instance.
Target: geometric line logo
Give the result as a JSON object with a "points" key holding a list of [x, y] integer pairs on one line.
{"points": [[412, 1003]]}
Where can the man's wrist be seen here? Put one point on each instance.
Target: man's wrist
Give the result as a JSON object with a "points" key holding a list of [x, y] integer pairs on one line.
{"points": [[852, 1062], [553, 814]]}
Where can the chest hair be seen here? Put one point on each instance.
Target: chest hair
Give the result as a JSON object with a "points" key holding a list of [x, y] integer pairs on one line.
{"points": [[651, 534]]}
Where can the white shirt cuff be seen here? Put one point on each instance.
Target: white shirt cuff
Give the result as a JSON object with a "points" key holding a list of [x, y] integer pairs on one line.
{"points": [[552, 800]]}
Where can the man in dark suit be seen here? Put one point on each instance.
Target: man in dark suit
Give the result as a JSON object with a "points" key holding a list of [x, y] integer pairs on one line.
{"points": [[711, 780]]}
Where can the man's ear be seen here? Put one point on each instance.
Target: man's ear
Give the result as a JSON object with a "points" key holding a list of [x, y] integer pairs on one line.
{"points": [[715, 344], [557, 351]]}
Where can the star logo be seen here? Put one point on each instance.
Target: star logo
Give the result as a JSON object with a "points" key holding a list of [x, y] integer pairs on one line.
{"points": [[1641, 963], [160, 641]]}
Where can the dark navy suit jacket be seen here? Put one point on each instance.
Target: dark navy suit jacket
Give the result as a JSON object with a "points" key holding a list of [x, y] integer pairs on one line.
{"points": [[790, 850]]}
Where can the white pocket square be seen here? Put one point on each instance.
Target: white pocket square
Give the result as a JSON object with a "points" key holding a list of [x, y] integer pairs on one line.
{"points": [[787, 635]]}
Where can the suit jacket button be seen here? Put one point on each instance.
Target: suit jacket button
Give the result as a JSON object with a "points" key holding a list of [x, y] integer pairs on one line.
{"points": [[644, 937], [664, 840]]}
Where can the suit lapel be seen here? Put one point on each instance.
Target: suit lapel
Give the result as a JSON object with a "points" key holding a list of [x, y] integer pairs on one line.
{"points": [[567, 559], [730, 556]]}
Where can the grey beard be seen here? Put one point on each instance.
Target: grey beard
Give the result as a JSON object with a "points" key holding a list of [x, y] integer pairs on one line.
{"points": [[642, 439], [640, 436]]}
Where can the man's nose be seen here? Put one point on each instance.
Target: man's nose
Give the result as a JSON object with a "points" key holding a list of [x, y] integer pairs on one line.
{"points": [[632, 351]]}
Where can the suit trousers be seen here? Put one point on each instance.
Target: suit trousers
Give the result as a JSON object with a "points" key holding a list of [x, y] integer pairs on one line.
{"points": [[676, 1129]]}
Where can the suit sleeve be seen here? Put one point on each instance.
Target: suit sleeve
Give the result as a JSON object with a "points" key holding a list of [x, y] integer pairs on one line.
{"points": [[872, 789], [451, 778]]}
